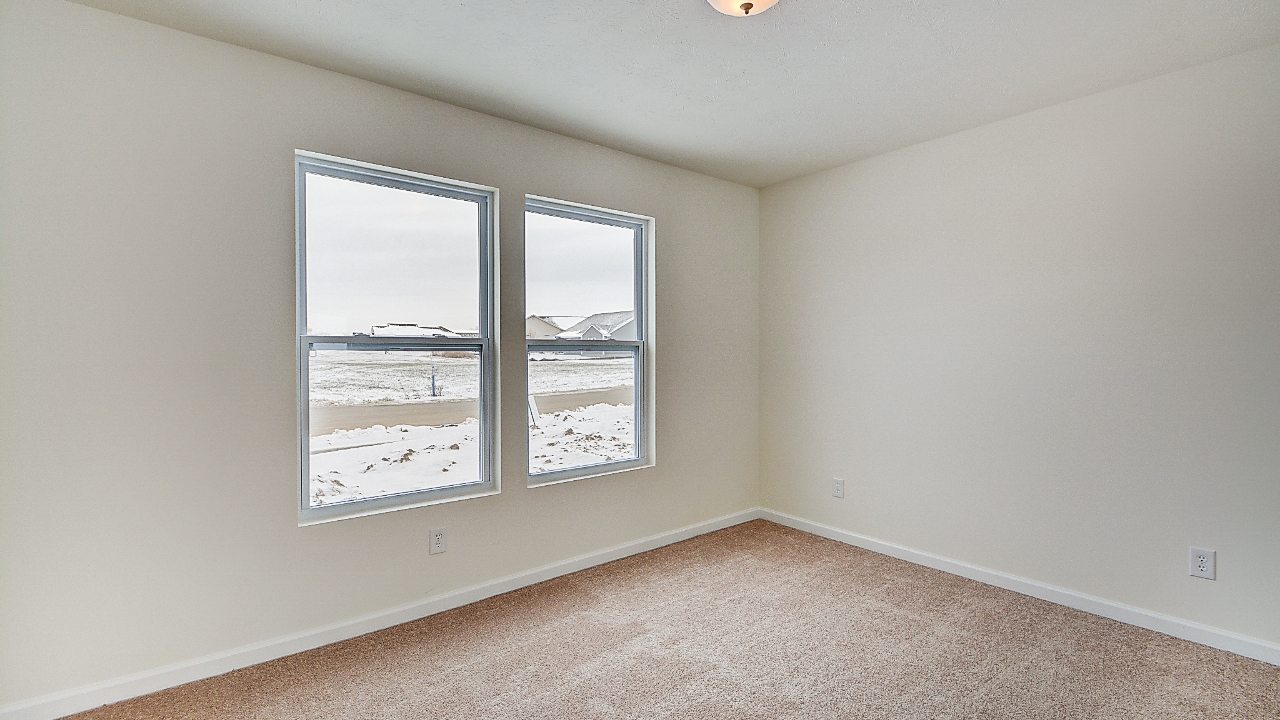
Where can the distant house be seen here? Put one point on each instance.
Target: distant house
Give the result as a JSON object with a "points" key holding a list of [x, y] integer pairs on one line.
{"points": [[544, 327], [603, 326], [416, 330], [540, 328], [564, 322]]}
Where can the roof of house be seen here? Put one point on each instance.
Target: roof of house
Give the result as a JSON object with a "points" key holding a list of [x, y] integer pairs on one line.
{"points": [[560, 322], [414, 330], [607, 322]]}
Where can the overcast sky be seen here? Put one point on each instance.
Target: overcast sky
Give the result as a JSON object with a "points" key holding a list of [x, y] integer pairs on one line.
{"points": [[378, 255], [574, 267]]}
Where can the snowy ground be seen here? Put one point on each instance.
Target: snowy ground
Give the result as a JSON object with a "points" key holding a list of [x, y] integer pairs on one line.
{"points": [[341, 377], [377, 461], [573, 438], [562, 372]]}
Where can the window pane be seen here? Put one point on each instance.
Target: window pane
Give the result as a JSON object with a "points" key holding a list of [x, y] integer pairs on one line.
{"points": [[408, 262], [581, 409], [392, 422], [575, 269]]}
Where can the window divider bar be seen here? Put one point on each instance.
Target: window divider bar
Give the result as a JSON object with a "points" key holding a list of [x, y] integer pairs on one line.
{"points": [[389, 342], [584, 345]]}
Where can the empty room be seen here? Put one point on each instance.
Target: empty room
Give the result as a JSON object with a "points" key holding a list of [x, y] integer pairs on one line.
{"points": [[639, 359]]}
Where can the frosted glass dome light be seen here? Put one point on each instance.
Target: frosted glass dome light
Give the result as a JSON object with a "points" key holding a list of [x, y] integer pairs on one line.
{"points": [[739, 8]]}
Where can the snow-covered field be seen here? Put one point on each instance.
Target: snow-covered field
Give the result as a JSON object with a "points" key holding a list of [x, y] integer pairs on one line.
{"points": [[377, 461], [573, 438], [564, 372], [342, 377]]}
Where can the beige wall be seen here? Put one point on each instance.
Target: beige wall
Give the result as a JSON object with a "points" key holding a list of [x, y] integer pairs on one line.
{"points": [[147, 432], [1049, 346]]}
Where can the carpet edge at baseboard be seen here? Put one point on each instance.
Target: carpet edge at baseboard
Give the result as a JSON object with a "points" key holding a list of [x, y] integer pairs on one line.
{"points": [[87, 697], [50, 707], [1245, 645]]}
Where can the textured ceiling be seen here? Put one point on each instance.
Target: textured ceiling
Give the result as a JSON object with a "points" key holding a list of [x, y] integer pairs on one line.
{"points": [[808, 85]]}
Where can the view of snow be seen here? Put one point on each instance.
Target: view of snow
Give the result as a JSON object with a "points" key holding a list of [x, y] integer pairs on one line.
{"points": [[587, 436], [376, 461], [384, 261], [350, 377], [570, 372]]}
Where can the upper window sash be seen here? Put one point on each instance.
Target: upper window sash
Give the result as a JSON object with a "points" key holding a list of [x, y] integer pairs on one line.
{"points": [[639, 226], [484, 197]]}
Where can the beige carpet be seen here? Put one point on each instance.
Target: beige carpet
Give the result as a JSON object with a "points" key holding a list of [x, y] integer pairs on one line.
{"points": [[756, 621]]}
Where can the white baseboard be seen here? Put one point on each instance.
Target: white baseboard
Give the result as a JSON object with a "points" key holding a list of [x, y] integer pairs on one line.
{"points": [[1255, 648], [88, 697]]}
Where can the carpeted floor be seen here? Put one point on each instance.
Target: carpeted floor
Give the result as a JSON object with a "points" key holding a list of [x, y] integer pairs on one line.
{"points": [[756, 621]]}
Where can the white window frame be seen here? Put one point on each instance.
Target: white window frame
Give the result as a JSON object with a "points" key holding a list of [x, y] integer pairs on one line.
{"points": [[643, 345], [486, 345]]}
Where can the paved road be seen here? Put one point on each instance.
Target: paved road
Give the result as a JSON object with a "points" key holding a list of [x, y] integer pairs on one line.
{"points": [[325, 420]]}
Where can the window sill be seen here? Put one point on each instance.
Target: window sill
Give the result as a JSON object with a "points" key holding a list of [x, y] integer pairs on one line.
{"points": [[314, 518], [592, 471]]}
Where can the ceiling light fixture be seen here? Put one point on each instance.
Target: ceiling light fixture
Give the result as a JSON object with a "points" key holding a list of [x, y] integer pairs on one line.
{"points": [[737, 8]]}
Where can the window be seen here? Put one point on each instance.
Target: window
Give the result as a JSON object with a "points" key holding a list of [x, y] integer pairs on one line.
{"points": [[396, 361], [589, 336]]}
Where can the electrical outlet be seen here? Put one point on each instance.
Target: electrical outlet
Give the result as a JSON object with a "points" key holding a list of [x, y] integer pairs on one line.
{"points": [[439, 540], [837, 487], [1204, 563]]}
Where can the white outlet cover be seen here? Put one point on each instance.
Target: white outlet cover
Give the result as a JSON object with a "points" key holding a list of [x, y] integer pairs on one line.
{"points": [[1203, 563], [837, 487], [442, 544]]}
